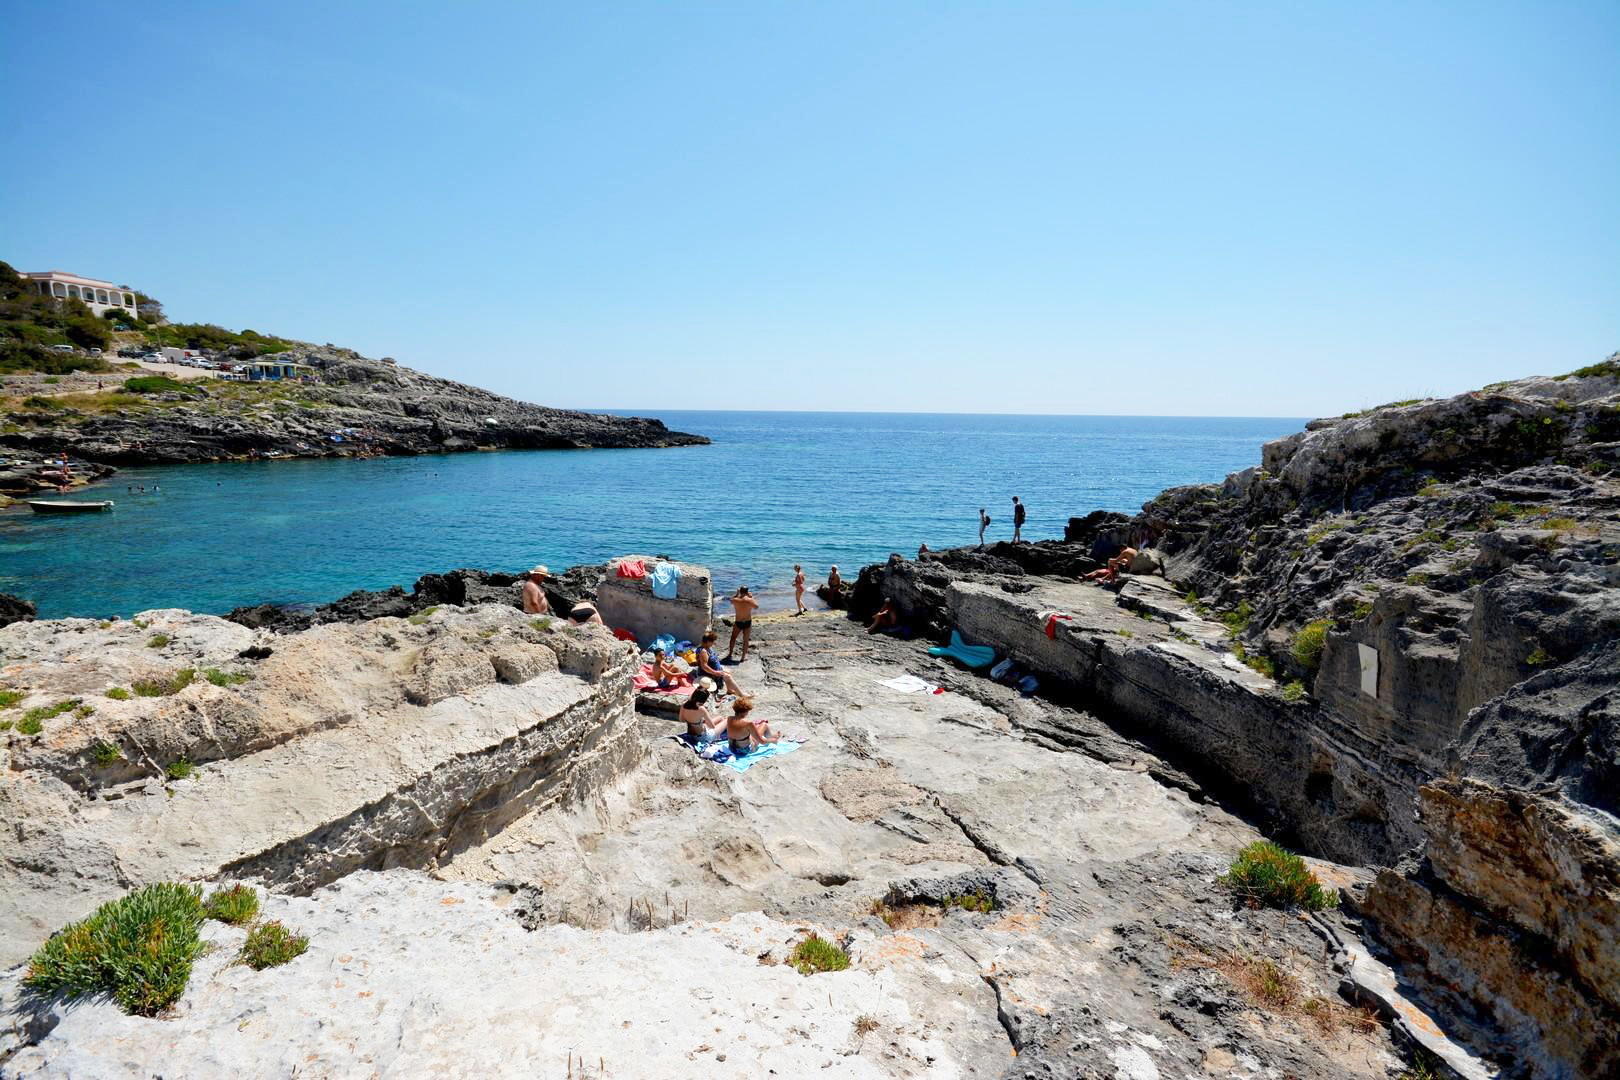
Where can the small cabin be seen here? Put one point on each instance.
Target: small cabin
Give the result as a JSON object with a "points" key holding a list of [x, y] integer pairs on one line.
{"points": [[277, 370]]}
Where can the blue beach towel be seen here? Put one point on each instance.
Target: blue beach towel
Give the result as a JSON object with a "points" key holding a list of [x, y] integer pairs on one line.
{"points": [[665, 577], [973, 656], [720, 753]]}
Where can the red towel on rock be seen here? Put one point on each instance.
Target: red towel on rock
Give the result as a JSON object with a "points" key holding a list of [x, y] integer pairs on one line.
{"points": [[632, 568], [622, 634], [643, 680]]}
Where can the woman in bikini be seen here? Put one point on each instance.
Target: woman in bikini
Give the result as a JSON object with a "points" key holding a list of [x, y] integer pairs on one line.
{"points": [[701, 726], [798, 588], [745, 734]]}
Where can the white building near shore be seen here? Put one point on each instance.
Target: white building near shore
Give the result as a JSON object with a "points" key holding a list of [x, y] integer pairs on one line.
{"points": [[101, 296]]}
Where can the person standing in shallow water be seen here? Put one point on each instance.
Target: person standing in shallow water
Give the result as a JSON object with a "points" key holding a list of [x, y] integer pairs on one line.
{"points": [[798, 588], [984, 523], [1018, 520]]}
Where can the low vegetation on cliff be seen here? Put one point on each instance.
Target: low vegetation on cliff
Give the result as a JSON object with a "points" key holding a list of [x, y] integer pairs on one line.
{"points": [[1266, 875]]}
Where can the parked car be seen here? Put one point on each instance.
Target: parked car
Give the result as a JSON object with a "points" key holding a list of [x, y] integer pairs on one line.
{"points": [[95, 352], [62, 348]]}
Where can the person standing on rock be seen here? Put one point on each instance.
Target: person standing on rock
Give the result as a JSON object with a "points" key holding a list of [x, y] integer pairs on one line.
{"points": [[798, 588], [984, 523], [743, 602], [1018, 521], [534, 594]]}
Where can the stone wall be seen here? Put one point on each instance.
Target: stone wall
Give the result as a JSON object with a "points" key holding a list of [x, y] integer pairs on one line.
{"points": [[629, 603]]}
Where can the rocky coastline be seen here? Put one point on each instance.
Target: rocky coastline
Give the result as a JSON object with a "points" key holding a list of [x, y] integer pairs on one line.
{"points": [[1393, 646], [354, 407]]}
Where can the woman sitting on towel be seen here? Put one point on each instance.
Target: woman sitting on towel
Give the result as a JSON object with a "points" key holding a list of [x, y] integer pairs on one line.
{"points": [[701, 726], [745, 734], [709, 664]]}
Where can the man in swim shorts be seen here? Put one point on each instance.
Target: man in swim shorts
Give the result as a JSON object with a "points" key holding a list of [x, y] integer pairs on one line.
{"points": [[744, 604]]}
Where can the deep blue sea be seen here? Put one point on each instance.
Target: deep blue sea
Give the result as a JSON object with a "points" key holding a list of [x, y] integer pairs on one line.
{"points": [[774, 489]]}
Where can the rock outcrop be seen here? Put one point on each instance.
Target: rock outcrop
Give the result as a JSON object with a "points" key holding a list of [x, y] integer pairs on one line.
{"points": [[1395, 640], [357, 407], [15, 609]]}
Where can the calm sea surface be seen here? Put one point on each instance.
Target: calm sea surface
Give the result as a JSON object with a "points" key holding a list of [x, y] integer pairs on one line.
{"points": [[774, 489]]}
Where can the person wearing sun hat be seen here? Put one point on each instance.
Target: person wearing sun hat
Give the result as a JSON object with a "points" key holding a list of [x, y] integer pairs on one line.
{"points": [[534, 593]]}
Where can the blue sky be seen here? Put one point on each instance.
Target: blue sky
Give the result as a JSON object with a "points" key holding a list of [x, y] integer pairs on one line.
{"points": [[1162, 208]]}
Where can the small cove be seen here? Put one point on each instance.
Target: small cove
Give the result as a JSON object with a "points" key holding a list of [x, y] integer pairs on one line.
{"points": [[773, 489]]}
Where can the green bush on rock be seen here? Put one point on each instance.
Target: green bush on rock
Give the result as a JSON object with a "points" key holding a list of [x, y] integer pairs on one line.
{"points": [[235, 905], [814, 954], [1266, 875], [1309, 642], [138, 948], [271, 945]]}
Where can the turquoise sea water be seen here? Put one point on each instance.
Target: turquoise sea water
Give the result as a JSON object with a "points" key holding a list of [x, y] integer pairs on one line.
{"points": [[774, 489]]}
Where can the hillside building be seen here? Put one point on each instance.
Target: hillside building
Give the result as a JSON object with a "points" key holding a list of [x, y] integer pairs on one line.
{"points": [[101, 296]]}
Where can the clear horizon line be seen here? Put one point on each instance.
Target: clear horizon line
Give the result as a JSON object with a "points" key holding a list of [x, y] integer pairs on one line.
{"points": [[609, 410]]}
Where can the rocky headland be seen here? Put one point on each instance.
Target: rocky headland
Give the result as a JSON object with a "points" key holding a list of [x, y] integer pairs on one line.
{"points": [[1394, 646], [354, 406]]}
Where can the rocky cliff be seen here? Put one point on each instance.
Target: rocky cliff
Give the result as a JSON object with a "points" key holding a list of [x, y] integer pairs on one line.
{"points": [[354, 406], [1395, 640]]}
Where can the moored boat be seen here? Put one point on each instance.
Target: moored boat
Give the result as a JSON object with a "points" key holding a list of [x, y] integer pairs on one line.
{"points": [[66, 506]]}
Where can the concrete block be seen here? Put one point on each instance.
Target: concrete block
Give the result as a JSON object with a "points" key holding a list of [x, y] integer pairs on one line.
{"points": [[630, 603]]}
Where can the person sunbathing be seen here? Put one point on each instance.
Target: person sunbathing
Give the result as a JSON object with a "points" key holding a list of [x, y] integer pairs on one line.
{"points": [[709, 664], [585, 613], [1113, 568], [701, 726], [743, 733], [663, 671], [885, 619]]}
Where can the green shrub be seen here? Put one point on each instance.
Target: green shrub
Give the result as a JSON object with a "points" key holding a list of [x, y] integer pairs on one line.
{"points": [[1309, 642], [225, 678], [163, 687], [978, 900], [235, 905], [158, 641], [153, 384], [1265, 874], [139, 949], [1538, 656], [1362, 609], [10, 698], [182, 769], [36, 401], [422, 616], [1259, 663], [814, 955], [118, 693], [84, 711], [1417, 579], [1237, 620], [51, 380], [34, 719], [1294, 692], [104, 753], [272, 944]]}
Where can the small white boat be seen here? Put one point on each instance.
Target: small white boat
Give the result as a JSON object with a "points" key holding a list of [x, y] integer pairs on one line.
{"points": [[67, 506]]}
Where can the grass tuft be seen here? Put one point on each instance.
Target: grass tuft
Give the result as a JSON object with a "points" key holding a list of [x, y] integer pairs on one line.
{"points": [[33, 721], [422, 616], [118, 693], [1264, 874], [104, 753], [235, 905], [157, 641], [226, 678], [1294, 692], [1538, 656], [181, 769], [271, 945], [10, 698], [138, 948], [163, 687], [1309, 642], [814, 954]]}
